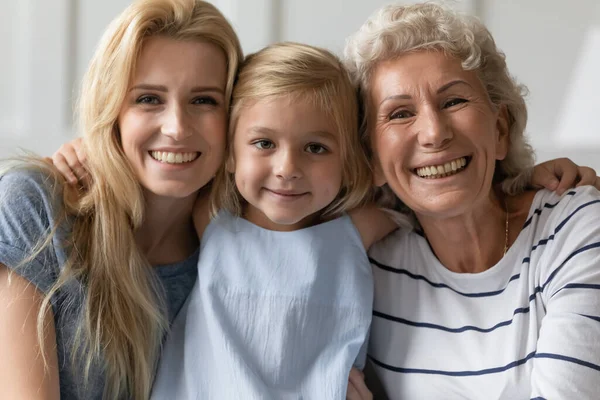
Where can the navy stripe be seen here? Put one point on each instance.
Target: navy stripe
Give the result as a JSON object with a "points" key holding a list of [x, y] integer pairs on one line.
{"points": [[538, 289], [538, 398], [402, 271], [581, 286], [399, 320], [568, 359], [512, 278], [597, 319], [453, 373], [524, 310], [543, 242], [538, 211], [573, 254]]}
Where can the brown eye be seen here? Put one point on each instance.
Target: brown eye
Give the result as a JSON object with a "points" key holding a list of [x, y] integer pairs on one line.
{"points": [[401, 114], [205, 100], [316, 148], [454, 102]]}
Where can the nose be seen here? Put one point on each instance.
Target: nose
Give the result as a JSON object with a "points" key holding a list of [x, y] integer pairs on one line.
{"points": [[175, 123], [434, 131], [287, 166]]}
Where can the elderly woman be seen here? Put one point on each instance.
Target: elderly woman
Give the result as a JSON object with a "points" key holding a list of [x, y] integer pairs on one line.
{"points": [[496, 293]]}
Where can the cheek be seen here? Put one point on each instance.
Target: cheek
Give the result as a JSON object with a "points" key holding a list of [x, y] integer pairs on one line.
{"points": [[133, 130]]}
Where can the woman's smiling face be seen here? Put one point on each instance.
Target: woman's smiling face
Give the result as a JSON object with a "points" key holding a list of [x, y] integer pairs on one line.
{"points": [[173, 121], [435, 134]]}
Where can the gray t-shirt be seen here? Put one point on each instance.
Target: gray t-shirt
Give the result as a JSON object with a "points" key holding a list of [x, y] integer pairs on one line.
{"points": [[27, 213]]}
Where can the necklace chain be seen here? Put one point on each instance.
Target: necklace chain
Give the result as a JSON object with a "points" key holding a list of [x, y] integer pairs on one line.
{"points": [[506, 227]]}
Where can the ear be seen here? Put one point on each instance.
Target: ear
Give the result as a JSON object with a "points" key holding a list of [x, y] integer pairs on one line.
{"points": [[502, 132]]}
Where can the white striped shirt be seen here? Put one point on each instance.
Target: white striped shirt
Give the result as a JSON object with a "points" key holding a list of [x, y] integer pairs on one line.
{"points": [[527, 328]]}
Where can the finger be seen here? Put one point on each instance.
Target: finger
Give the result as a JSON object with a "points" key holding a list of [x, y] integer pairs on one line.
{"points": [[357, 379], [61, 164], [545, 179], [80, 151], [352, 393], [72, 158], [597, 183], [568, 177], [587, 176]]}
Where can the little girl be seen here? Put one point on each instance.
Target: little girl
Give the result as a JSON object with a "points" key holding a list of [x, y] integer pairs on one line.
{"points": [[282, 305]]}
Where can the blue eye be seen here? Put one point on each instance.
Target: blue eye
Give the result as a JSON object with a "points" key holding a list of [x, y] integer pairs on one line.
{"points": [[264, 144], [316, 148], [147, 99]]}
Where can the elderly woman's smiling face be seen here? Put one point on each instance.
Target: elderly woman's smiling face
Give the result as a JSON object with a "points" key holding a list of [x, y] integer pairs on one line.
{"points": [[435, 134]]}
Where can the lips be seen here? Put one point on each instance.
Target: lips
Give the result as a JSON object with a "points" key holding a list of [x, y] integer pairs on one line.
{"points": [[286, 193]]}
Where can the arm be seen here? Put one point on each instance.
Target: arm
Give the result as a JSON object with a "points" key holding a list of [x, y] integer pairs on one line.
{"points": [[562, 174], [372, 223], [23, 374], [567, 360]]}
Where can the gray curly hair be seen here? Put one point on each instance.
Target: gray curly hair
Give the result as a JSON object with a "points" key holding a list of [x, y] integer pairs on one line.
{"points": [[394, 30]]}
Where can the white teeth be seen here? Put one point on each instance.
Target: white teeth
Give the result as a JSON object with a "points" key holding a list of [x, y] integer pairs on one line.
{"points": [[173, 158], [440, 171]]}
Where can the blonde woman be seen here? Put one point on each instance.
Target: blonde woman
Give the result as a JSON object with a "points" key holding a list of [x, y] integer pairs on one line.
{"points": [[88, 287]]}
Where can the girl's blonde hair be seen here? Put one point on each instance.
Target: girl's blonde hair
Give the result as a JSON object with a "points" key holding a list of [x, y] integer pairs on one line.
{"points": [[395, 30], [305, 73], [123, 320]]}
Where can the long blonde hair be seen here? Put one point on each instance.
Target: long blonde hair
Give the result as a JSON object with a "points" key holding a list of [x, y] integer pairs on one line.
{"points": [[123, 319], [305, 73]]}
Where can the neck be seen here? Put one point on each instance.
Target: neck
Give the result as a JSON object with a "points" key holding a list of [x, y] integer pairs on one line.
{"points": [[167, 234], [474, 241]]}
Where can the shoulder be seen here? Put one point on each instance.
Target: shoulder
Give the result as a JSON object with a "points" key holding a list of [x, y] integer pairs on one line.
{"points": [[28, 197], [398, 247], [575, 209], [28, 213], [21, 187], [564, 238]]}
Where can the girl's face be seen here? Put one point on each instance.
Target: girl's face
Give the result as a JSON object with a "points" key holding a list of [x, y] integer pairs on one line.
{"points": [[173, 120], [287, 162]]}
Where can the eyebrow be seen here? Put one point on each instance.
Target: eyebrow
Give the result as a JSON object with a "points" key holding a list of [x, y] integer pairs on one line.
{"points": [[161, 88], [442, 89], [263, 130], [448, 85]]}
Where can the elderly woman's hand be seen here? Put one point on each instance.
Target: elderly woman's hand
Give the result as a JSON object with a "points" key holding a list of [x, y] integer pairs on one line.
{"points": [[357, 389], [562, 174]]}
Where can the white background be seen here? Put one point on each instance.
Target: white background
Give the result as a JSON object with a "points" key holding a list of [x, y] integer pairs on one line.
{"points": [[552, 46]]}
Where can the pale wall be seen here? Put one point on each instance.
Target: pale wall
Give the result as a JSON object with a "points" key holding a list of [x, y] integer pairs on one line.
{"points": [[553, 49]]}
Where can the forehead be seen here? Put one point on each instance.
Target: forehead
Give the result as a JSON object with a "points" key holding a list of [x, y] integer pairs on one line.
{"points": [[194, 61], [291, 114], [419, 71]]}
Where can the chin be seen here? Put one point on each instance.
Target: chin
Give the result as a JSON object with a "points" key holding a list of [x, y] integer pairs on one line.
{"points": [[288, 222], [174, 191]]}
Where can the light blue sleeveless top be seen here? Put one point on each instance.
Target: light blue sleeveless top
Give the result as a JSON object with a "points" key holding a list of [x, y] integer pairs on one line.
{"points": [[273, 315]]}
